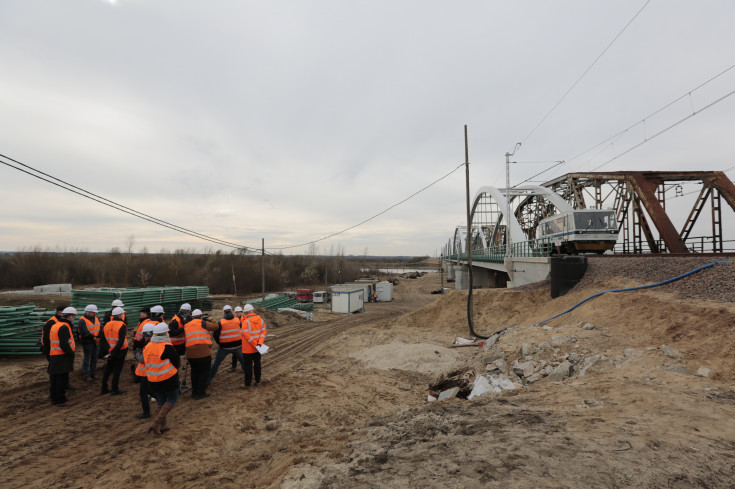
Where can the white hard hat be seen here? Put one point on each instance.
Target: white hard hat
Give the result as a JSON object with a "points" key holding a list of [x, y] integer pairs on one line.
{"points": [[91, 308], [117, 311], [157, 310], [117, 303], [148, 327], [248, 308], [160, 328], [68, 310], [196, 312], [227, 308], [238, 309], [185, 307]]}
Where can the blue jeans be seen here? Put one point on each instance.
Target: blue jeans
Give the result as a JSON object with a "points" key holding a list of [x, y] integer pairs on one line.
{"points": [[89, 363], [221, 354], [170, 397]]}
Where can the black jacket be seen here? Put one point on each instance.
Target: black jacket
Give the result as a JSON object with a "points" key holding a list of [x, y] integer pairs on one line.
{"points": [[61, 364]]}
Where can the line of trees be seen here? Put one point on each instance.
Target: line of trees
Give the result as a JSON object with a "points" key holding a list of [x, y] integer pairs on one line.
{"points": [[125, 268]]}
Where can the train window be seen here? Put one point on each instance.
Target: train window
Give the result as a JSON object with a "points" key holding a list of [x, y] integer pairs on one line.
{"points": [[595, 220]]}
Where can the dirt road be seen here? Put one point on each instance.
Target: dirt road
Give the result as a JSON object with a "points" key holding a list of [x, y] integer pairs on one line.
{"points": [[343, 404]]}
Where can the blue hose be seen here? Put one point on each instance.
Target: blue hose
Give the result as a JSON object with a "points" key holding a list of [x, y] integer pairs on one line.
{"points": [[632, 288]]}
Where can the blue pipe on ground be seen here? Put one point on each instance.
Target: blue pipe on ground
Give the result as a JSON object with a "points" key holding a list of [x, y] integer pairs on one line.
{"points": [[632, 288]]}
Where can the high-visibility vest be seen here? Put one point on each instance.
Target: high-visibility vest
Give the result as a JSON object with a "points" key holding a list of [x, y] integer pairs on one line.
{"points": [[112, 331], [55, 319], [178, 340], [230, 330], [196, 334], [156, 368], [92, 327], [140, 368], [253, 329], [54, 343], [139, 330]]}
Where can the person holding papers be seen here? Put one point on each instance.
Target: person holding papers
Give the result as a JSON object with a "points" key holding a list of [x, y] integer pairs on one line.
{"points": [[253, 337]]}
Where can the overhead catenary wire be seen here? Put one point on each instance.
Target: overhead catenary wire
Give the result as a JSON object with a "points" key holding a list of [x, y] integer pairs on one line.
{"points": [[618, 134], [569, 90]]}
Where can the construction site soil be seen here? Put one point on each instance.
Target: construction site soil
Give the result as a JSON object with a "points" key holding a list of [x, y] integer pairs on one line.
{"points": [[343, 402]]}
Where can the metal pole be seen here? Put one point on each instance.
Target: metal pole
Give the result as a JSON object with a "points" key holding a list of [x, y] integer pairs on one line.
{"points": [[467, 188], [508, 252], [262, 270]]}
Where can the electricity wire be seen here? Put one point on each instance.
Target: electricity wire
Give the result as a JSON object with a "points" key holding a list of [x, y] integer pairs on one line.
{"points": [[370, 218], [584, 73], [114, 205]]}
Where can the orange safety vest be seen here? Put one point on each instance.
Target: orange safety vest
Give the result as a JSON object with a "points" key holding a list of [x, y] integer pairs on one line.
{"points": [[140, 368], [92, 327], [156, 368], [56, 321], [178, 340], [54, 344], [253, 330], [139, 331], [196, 334], [230, 330], [112, 331]]}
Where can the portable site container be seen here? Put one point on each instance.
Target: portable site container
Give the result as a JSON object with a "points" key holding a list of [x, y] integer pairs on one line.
{"points": [[346, 301], [385, 291], [366, 287]]}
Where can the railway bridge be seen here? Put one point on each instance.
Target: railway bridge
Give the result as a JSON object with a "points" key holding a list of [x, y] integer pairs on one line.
{"points": [[513, 252]]}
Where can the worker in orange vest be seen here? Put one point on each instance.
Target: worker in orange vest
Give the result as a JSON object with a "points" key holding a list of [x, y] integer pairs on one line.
{"points": [[253, 334], [198, 350], [140, 373], [88, 331], [229, 339], [116, 335], [239, 317], [161, 368], [177, 323], [62, 349]]}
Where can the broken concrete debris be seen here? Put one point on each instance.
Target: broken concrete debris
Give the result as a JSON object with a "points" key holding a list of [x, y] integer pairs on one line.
{"points": [[670, 352], [704, 372], [491, 384]]}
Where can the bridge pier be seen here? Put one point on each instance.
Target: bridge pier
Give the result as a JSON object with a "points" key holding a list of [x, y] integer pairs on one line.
{"points": [[527, 270]]}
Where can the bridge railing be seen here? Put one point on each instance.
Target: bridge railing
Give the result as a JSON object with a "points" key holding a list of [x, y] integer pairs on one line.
{"points": [[540, 247]]}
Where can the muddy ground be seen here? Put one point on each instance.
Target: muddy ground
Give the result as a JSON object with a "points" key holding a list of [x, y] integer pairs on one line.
{"points": [[344, 403]]}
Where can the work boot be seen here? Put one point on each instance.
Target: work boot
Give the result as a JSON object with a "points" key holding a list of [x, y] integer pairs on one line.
{"points": [[165, 409], [155, 426], [117, 393], [104, 390], [143, 415]]}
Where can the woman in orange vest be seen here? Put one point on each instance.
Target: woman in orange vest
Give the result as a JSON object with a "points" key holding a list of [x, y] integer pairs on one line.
{"points": [[161, 368], [89, 329], [198, 351], [253, 334], [238, 316], [146, 330], [116, 335], [61, 356]]}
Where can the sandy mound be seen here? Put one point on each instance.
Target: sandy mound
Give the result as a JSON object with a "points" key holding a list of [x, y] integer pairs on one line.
{"points": [[417, 357]]}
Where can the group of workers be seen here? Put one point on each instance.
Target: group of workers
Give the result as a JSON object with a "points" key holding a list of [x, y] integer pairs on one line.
{"points": [[157, 347]]}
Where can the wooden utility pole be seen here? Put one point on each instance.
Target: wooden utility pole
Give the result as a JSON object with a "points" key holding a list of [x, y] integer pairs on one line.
{"points": [[262, 270], [234, 284]]}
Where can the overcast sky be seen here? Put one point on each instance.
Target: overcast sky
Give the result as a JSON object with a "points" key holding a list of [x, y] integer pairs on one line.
{"points": [[291, 120]]}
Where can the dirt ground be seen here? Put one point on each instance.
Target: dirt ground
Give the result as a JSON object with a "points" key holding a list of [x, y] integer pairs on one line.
{"points": [[343, 403]]}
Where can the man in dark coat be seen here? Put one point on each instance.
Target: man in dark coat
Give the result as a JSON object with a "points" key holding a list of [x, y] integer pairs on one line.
{"points": [[61, 348]]}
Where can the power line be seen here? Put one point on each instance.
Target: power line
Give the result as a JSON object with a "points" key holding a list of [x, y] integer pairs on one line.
{"points": [[584, 73], [370, 218], [127, 210], [114, 205]]}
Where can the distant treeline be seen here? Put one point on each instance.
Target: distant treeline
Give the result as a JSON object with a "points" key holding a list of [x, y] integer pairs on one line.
{"points": [[25, 269]]}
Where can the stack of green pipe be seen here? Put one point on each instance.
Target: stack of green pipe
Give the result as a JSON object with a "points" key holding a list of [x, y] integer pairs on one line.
{"points": [[135, 299], [275, 303], [20, 329]]}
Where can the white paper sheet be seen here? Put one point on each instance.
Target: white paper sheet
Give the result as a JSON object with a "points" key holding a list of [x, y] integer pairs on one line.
{"points": [[263, 349]]}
